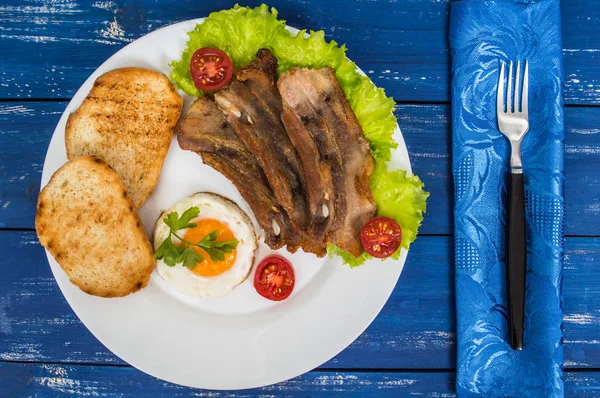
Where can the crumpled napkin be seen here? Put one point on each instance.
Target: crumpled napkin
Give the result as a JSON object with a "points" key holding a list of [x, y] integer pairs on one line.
{"points": [[482, 33]]}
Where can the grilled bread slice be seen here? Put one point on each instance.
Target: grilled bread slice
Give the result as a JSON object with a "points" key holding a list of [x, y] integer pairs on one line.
{"points": [[127, 119], [87, 221]]}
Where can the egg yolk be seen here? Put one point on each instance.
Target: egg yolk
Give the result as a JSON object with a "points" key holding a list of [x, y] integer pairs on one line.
{"points": [[209, 267]]}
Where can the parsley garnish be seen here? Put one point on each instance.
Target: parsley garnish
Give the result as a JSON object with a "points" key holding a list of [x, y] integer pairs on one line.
{"points": [[185, 254]]}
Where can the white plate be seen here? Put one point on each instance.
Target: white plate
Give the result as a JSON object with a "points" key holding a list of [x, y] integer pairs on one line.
{"points": [[240, 340]]}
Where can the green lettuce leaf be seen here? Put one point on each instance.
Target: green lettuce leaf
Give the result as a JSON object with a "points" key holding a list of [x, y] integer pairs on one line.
{"points": [[242, 31], [346, 257], [402, 198], [397, 196]]}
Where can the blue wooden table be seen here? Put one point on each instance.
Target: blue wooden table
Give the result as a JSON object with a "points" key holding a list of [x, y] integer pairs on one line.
{"points": [[49, 47]]}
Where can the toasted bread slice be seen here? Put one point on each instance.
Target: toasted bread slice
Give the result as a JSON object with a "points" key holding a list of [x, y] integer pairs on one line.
{"points": [[127, 119], [87, 221]]}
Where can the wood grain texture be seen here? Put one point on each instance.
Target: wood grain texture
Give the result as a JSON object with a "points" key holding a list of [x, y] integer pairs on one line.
{"points": [[22, 153], [26, 128], [415, 330], [54, 381], [66, 381], [50, 47]]}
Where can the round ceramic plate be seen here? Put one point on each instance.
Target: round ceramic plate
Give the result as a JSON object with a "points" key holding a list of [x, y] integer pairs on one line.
{"points": [[240, 340]]}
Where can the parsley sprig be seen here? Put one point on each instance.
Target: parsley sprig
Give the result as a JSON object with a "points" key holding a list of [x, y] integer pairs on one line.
{"points": [[175, 254]]}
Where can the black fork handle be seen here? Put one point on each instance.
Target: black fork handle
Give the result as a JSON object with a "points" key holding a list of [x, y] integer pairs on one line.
{"points": [[517, 260]]}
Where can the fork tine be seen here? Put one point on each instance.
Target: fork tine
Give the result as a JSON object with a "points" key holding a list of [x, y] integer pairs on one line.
{"points": [[517, 92], [509, 91], [525, 101], [500, 94]]}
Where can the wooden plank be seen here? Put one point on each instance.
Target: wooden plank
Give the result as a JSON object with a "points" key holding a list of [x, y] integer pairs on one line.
{"points": [[581, 303], [25, 132], [581, 51], [26, 128], [39, 326], [53, 380], [582, 163], [49, 48], [22, 380], [415, 330]]}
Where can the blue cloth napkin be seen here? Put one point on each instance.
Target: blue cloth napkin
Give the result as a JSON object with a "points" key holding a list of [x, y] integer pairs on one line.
{"points": [[482, 33]]}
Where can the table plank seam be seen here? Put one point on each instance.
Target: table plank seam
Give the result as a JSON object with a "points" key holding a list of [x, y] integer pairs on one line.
{"points": [[418, 235], [397, 102], [316, 370], [30, 100]]}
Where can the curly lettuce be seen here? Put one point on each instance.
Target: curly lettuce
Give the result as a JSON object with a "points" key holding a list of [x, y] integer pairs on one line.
{"points": [[242, 31]]}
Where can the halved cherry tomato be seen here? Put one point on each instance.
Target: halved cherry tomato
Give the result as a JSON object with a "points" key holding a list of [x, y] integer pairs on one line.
{"points": [[211, 69], [381, 237], [274, 278]]}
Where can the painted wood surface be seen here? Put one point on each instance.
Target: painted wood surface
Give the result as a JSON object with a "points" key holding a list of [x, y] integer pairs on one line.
{"points": [[50, 47], [27, 380], [26, 129], [415, 330]]}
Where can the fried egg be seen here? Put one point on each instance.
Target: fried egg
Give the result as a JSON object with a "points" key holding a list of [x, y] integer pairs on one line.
{"points": [[209, 278]]}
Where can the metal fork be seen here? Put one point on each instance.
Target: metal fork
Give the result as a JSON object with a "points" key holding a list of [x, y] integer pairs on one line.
{"points": [[514, 123]]}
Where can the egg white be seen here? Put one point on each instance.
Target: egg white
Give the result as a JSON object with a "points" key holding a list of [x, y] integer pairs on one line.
{"points": [[216, 207]]}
